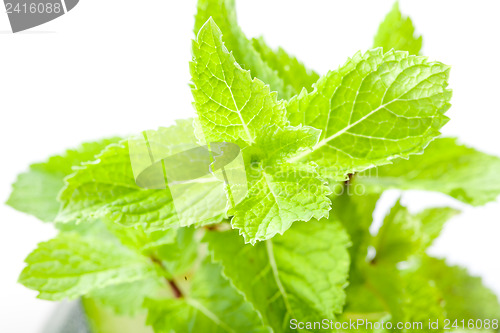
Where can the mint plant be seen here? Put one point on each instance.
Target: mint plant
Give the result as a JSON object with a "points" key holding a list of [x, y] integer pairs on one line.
{"points": [[296, 252]]}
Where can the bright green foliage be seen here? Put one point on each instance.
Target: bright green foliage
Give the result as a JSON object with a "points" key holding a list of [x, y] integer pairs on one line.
{"points": [[373, 109], [102, 319], [127, 298], [349, 207], [136, 251], [433, 220], [289, 276], [212, 305], [275, 145], [404, 234], [279, 197], [397, 32], [179, 256], [142, 240], [291, 70], [406, 295], [465, 296], [461, 172], [230, 104], [412, 293], [35, 191], [70, 266], [399, 237], [224, 14], [107, 188]]}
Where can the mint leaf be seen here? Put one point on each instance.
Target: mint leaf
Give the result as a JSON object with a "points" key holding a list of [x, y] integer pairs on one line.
{"points": [[375, 108], [279, 197], [212, 305], [277, 275], [106, 188], [404, 234], [141, 239], [408, 296], [179, 256], [433, 221], [465, 296], [448, 167], [399, 237], [224, 14], [174, 250], [397, 32], [291, 70], [230, 104], [102, 319], [69, 266], [355, 212], [127, 298], [275, 145], [35, 192], [233, 107]]}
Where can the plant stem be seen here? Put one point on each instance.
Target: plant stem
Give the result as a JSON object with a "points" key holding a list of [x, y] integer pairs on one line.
{"points": [[171, 282], [175, 289]]}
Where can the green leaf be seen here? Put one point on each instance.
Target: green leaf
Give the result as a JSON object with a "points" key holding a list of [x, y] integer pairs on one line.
{"points": [[433, 220], [69, 266], [397, 32], [292, 71], [142, 240], [175, 250], [290, 276], [399, 237], [230, 104], [274, 144], [448, 167], [279, 197], [127, 298], [107, 188], [179, 256], [355, 212], [102, 319], [35, 192], [375, 108], [404, 234], [224, 14], [212, 305], [408, 295], [465, 296]]}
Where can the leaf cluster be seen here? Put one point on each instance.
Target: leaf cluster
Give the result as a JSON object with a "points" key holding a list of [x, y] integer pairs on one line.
{"points": [[319, 151]]}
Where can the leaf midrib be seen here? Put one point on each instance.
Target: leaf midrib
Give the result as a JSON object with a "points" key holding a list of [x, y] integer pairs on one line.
{"points": [[238, 111]]}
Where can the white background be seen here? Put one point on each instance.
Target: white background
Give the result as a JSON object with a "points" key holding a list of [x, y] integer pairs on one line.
{"points": [[120, 67]]}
